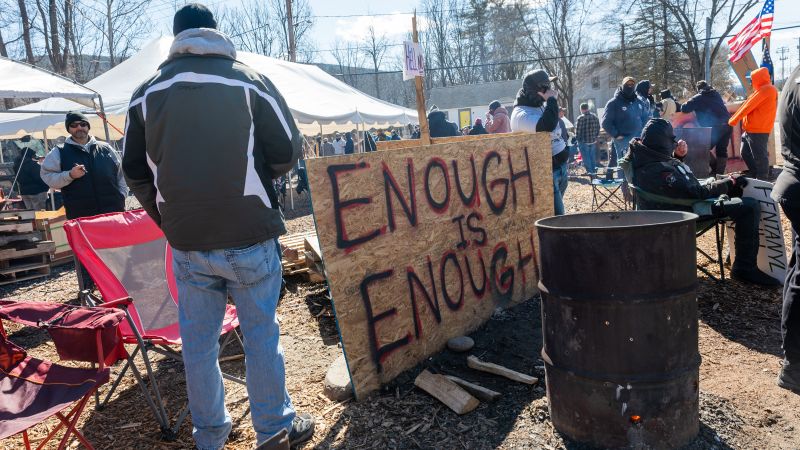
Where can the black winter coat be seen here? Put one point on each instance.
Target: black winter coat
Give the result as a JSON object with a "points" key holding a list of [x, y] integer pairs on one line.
{"points": [[659, 174], [709, 108], [29, 179], [439, 126]]}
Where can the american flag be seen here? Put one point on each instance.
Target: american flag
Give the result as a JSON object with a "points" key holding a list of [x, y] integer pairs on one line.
{"points": [[758, 28], [767, 61]]}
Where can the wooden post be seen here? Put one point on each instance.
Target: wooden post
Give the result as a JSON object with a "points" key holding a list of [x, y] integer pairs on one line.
{"points": [[424, 132]]}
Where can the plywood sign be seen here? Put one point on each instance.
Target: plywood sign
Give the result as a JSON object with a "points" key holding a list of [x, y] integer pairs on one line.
{"points": [[422, 244]]}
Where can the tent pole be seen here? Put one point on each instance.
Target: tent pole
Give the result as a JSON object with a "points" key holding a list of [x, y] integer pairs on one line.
{"points": [[104, 118]]}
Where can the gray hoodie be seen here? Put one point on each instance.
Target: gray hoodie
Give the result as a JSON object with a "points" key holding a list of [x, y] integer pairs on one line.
{"points": [[204, 138]]}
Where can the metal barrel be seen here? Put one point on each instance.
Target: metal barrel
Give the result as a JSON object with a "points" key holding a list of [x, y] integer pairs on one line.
{"points": [[619, 319]]}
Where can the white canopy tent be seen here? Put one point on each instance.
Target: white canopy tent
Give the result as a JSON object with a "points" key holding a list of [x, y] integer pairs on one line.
{"points": [[319, 102], [21, 80]]}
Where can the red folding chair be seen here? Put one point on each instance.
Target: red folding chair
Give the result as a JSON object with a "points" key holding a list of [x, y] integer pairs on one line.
{"points": [[34, 390], [127, 256]]}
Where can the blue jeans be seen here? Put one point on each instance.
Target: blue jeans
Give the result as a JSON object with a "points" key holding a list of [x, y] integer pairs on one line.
{"points": [[560, 183], [620, 147], [589, 155], [252, 276]]}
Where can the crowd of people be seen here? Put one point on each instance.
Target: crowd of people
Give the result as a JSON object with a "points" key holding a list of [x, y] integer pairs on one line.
{"points": [[208, 266]]}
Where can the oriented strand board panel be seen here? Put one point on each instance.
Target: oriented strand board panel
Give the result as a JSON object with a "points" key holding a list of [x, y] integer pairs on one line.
{"points": [[422, 244], [403, 143]]}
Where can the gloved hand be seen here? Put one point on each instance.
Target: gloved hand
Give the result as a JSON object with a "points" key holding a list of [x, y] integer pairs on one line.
{"points": [[739, 180]]}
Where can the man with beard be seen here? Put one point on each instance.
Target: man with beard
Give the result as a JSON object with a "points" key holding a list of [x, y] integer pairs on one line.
{"points": [[623, 118], [86, 170], [711, 112]]}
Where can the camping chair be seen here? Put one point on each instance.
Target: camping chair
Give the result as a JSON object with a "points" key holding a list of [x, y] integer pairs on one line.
{"points": [[608, 187], [34, 390], [705, 223], [575, 163], [127, 256]]}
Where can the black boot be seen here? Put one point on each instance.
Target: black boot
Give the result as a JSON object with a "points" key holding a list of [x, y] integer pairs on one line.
{"points": [[755, 276], [789, 378]]}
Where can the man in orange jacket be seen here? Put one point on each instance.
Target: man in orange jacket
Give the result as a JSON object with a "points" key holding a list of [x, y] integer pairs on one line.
{"points": [[757, 115]]}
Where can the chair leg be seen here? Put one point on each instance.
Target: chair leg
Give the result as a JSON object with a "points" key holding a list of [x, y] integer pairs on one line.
{"points": [[156, 404], [720, 235]]}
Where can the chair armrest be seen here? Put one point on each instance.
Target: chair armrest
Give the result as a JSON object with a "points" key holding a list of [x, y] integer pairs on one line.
{"points": [[118, 303]]}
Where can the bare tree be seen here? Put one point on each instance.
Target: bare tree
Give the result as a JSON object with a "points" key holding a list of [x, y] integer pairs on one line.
{"points": [[689, 34], [26, 30], [555, 33], [348, 57], [251, 27], [374, 49], [302, 20]]}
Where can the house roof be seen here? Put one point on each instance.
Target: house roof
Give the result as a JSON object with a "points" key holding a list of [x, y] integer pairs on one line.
{"points": [[466, 95]]}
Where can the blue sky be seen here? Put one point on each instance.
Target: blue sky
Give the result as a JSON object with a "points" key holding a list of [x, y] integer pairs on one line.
{"points": [[327, 30]]}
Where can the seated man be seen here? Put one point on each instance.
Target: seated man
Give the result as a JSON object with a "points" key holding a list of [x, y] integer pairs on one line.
{"points": [[655, 169]]}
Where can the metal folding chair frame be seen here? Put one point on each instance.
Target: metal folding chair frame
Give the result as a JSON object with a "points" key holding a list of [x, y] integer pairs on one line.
{"points": [[704, 225], [143, 345]]}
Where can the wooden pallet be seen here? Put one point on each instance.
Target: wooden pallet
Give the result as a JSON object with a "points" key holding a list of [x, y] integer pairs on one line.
{"points": [[22, 268], [313, 256], [11, 238], [21, 249], [293, 259], [17, 214]]}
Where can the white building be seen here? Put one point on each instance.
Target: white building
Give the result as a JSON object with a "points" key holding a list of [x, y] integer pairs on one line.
{"points": [[465, 103]]}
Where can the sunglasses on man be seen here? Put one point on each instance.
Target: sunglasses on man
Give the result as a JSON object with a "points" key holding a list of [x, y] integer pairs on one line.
{"points": [[79, 124]]}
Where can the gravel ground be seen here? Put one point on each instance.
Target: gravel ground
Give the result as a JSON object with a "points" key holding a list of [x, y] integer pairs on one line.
{"points": [[741, 407]]}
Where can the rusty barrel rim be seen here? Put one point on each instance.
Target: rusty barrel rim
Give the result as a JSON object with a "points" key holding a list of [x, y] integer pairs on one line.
{"points": [[572, 222]]}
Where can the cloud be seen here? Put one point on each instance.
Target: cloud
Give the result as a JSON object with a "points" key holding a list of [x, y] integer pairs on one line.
{"points": [[395, 27]]}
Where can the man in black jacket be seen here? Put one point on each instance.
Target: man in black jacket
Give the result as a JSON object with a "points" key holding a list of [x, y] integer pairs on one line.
{"points": [[439, 126], [711, 112], [205, 137], [787, 193], [657, 169]]}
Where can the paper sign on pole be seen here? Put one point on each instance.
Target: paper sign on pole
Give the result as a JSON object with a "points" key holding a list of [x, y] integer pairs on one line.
{"points": [[771, 249], [413, 61]]}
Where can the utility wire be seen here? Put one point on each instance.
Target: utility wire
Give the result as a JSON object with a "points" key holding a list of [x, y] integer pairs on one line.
{"points": [[528, 61]]}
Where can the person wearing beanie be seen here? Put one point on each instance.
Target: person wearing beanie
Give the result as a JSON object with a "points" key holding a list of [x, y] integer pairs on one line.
{"points": [[86, 170], [644, 90], [216, 132], [497, 120], [653, 164], [668, 105], [623, 118], [710, 110], [757, 115], [478, 128], [536, 110]]}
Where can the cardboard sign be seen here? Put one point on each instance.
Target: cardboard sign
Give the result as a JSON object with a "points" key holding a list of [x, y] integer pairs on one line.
{"points": [[413, 61], [422, 244], [771, 249]]}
